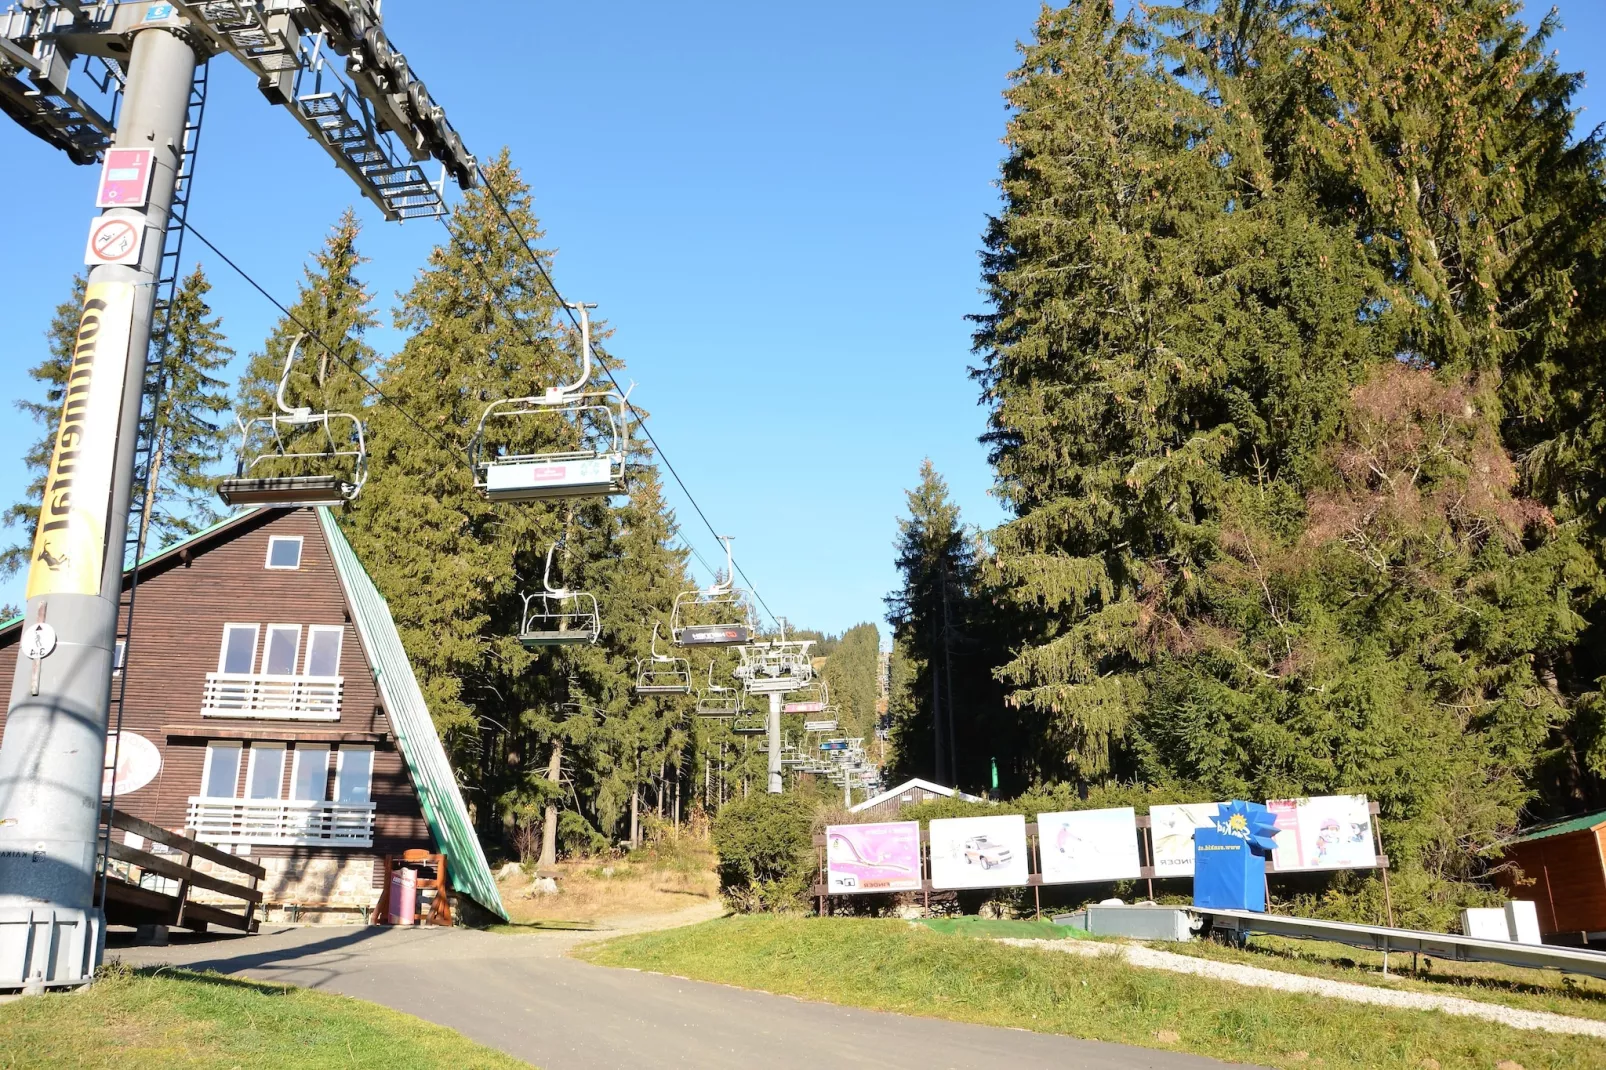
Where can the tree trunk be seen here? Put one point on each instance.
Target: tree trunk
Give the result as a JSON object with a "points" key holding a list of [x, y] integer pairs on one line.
{"points": [[635, 816], [549, 826]]}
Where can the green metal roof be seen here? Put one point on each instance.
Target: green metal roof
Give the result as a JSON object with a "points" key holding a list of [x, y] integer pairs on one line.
{"points": [[1561, 828], [415, 731]]}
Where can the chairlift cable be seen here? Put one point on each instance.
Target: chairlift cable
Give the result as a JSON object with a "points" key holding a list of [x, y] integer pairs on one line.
{"points": [[540, 266]]}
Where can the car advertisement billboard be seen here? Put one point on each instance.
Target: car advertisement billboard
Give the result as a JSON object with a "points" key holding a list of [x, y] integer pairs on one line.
{"points": [[880, 857], [1171, 832], [1323, 832], [1089, 845], [978, 852]]}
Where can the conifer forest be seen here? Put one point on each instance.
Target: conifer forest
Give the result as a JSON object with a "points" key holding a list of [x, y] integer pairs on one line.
{"points": [[1291, 344]]}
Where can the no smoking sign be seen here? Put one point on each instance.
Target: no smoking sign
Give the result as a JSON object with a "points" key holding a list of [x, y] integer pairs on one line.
{"points": [[115, 238]]}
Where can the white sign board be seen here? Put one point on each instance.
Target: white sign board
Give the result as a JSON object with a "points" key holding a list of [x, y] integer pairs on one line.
{"points": [[138, 762], [1323, 832], [978, 852], [1171, 831], [115, 238], [1089, 845]]}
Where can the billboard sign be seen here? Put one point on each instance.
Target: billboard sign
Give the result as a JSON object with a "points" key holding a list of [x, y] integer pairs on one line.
{"points": [[978, 852], [1323, 832], [880, 857], [1089, 845], [1171, 832]]}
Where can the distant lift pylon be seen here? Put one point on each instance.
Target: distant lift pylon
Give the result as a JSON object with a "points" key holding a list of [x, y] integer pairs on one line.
{"points": [[722, 601], [594, 468], [275, 458]]}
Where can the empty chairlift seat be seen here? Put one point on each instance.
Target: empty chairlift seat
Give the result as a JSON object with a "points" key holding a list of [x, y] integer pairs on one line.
{"points": [[712, 616], [296, 456], [557, 616], [662, 674]]}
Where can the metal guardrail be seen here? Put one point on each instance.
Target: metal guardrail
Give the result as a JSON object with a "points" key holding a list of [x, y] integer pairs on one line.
{"points": [[1385, 939], [275, 698], [281, 821]]}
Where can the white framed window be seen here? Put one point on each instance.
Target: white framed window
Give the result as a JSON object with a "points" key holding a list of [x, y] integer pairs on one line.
{"points": [[284, 552], [220, 776], [354, 774], [264, 776], [323, 650], [119, 654], [309, 773], [280, 649], [239, 651]]}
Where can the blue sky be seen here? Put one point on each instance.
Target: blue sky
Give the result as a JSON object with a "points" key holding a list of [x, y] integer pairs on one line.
{"points": [[777, 208]]}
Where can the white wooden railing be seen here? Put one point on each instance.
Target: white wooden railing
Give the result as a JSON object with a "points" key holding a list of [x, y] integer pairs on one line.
{"points": [[281, 821], [276, 698]]}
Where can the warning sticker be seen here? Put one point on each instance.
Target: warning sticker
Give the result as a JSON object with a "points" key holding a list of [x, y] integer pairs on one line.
{"points": [[115, 238]]}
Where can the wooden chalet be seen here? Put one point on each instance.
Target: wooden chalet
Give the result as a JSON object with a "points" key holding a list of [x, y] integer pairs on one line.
{"points": [[1562, 868], [272, 713]]}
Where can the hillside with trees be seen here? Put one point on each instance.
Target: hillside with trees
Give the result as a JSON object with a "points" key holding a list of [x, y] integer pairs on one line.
{"points": [[1289, 357]]}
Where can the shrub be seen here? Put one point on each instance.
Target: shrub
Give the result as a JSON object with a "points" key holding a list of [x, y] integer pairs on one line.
{"points": [[766, 851]]}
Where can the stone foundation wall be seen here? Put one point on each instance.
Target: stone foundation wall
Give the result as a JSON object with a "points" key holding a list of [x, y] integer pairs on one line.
{"points": [[306, 887]]}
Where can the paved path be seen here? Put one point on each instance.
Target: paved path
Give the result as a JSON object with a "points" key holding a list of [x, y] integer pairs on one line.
{"points": [[523, 995]]}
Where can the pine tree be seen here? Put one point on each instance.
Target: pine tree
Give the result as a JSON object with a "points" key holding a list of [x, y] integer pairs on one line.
{"points": [[179, 494], [23, 516], [552, 745], [929, 614]]}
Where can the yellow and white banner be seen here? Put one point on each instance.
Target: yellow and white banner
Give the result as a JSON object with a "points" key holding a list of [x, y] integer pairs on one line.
{"points": [[69, 548]]}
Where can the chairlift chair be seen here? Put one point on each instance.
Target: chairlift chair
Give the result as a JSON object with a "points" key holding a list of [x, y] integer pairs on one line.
{"points": [[260, 476], [775, 666], [718, 701], [809, 700], [595, 468], [662, 674], [750, 725], [557, 616], [722, 601]]}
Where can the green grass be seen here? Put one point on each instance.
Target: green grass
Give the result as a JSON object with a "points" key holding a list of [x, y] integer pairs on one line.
{"points": [[996, 928], [1487, 982], [909, 968], [179, 1019]]}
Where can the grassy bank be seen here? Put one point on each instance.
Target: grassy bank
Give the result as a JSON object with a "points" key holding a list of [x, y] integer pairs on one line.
{"points": [[180, 1019], [660, 879], [897, 966], [1487, 982]]}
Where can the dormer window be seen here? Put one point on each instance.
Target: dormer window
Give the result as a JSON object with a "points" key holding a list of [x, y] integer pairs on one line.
{"points": [[284, 552]]}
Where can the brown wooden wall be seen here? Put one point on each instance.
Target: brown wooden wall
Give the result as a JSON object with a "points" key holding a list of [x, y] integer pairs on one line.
{"points": [[1565, 876], [178, 631]]}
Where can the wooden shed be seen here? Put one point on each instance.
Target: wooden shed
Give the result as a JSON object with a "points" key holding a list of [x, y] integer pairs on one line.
{"points": [[886, 805], [1563, 870]]}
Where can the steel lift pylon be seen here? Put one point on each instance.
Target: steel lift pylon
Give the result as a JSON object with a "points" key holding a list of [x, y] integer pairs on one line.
{"points": [[121, 84]]}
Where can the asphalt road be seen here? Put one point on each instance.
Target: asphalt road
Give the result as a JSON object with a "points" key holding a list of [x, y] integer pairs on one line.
{"points": [[523, 995]]}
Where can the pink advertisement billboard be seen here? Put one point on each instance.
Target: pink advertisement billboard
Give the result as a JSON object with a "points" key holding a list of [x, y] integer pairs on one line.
{"points": [[882, 857]]}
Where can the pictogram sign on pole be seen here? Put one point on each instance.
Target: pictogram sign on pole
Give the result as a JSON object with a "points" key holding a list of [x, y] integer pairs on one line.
{"points": [[125, 178], [115, 238]]}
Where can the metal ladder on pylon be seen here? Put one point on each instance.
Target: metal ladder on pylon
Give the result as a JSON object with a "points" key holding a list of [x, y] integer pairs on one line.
{"points": [[167, 277]]}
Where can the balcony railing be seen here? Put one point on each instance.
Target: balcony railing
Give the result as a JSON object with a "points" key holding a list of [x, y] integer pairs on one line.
{"points": [[281, 821], [274, 698]]}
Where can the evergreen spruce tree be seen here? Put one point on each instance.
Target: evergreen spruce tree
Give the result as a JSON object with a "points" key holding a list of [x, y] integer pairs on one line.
{"points": [[929, 614], [179, 496], [1249, 370], [22, 517], [850, 672]]}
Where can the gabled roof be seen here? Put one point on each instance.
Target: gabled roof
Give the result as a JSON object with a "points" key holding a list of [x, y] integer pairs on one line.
{"points": [[172, 550], [916, 782], [420, 744], [1586, 823]]}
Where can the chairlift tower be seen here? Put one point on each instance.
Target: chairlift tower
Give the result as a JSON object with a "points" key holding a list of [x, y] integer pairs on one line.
{"points": [[121, 84], [775, 667]]}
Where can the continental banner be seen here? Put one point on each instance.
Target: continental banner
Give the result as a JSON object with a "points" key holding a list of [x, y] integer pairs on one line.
{"points": [[69, 548]]}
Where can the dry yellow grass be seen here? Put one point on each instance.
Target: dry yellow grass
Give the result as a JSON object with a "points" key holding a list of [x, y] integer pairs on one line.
{"points": [[664, 878]]}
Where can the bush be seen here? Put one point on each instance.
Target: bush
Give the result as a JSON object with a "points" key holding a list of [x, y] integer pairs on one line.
{"points": [[766, 851]]}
